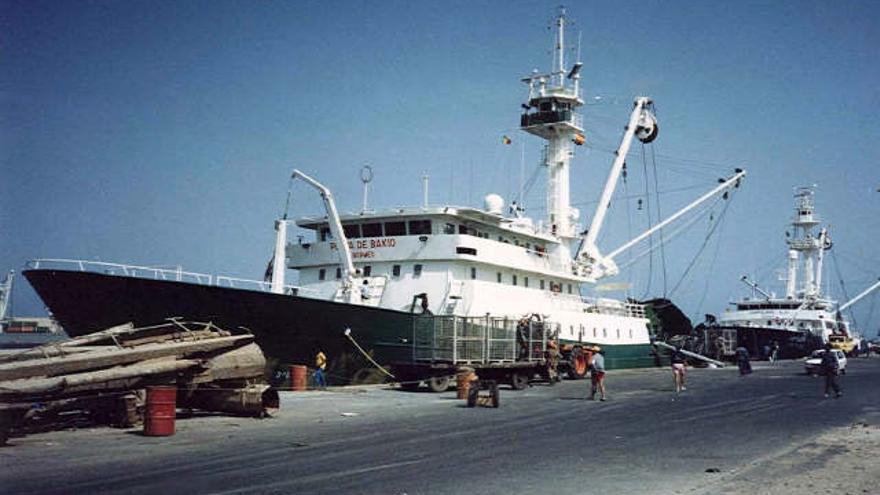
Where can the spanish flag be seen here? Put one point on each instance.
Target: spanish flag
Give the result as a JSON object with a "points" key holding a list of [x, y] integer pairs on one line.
{"points": [[505, 140]]}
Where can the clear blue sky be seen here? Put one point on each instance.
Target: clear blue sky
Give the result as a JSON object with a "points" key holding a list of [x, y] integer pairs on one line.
{"points": [[163, 133]]}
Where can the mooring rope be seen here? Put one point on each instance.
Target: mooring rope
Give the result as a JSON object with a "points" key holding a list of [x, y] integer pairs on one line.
{"points": [[377, 365]]}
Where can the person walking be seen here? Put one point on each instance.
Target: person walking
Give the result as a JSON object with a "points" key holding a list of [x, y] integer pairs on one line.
{"points": [[831, 369], [597, 374], [774, 352], [320, 367], [742, 360], [552, 360], [678, 360]]}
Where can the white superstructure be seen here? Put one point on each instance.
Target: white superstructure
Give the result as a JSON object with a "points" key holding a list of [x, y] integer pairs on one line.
{"points": [[472, 262]]}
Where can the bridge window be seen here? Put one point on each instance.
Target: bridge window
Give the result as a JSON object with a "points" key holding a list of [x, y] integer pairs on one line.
{"points": [[542, 284], [465, 230], [339, 273], [419, 227], [395, 271], [449, 228], [473, 273], [368, 270], [569, 288], [514, 280], [322, 274], [372, 229], [352, 231], [325, 234], [417, 270], [499, 277], [395, 228], [526, 281]]}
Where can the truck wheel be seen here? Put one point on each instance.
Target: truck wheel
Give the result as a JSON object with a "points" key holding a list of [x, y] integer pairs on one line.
{"points": [[496, 396], [519, 381], [438, 383], [577, 369]]}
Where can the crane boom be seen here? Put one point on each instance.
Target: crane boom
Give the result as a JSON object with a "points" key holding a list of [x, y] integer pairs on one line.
{"points": [[860, 296], [345, 258], [639, 119], [731, 182]]}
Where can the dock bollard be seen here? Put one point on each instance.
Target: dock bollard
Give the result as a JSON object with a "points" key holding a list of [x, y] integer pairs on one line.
{"points": [[298, 377], [161, 411], [463, 379]]}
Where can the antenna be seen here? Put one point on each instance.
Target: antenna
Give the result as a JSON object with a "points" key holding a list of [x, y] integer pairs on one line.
{"points": [[366, 178]]}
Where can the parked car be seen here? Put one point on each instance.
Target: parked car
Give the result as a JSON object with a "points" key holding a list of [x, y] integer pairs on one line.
{"points": [[813, 365]]}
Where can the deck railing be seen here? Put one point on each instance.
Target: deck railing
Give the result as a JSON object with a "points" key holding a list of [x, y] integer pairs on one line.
{"points": [[175, 274]]}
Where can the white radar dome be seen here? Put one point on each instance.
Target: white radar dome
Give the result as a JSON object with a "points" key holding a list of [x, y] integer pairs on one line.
{"points": [[494, 204]]}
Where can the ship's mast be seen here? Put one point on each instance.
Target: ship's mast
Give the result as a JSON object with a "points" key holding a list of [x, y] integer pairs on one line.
{"points": [[550, 113], [805, 248]]}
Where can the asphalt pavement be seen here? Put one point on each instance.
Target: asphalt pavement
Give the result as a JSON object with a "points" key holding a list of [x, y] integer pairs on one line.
{"points": [[545, 439]]}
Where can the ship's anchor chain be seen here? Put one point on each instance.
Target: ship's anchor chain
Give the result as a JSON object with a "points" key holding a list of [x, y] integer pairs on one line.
{"points": [[369, 358]]}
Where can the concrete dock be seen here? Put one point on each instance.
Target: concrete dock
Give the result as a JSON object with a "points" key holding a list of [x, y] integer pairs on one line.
{"points": [[768, 432]]}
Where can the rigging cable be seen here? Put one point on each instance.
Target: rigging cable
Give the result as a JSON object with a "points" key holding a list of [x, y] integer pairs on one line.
{"points": [[711, 267], [685, 225], [650, 225], [628, 223], [659, 215], [703, 245], [287, 201]]}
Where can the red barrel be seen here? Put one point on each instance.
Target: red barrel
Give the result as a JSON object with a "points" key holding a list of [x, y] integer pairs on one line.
{"points": [[298, 377], [161, 410]]}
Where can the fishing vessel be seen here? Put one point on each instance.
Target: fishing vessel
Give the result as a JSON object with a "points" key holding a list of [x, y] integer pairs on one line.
{"points": [[364, 276], [805, 318]]}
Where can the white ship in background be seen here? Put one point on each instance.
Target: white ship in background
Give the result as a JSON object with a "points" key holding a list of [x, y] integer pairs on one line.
{"points": [[805, 318], [372, 270]]}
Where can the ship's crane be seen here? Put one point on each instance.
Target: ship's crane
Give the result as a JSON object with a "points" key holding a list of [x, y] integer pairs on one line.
{"points": [[859, 297], [589, 262], [345, 258], [744, 279]]}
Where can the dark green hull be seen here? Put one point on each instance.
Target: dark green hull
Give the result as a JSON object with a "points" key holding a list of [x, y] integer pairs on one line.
{"points": [[625, 356]]}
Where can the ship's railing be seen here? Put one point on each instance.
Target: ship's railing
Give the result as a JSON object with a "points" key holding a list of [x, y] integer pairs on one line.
{"points": [[613, 307], [175, 274]]}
